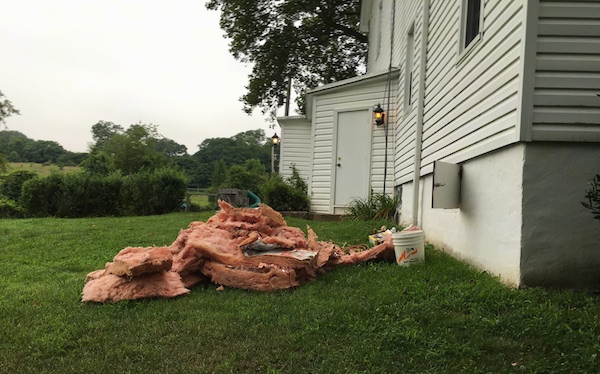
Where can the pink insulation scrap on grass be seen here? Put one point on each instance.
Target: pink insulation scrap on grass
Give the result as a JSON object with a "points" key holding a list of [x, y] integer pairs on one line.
{"points": [[247, 248]]}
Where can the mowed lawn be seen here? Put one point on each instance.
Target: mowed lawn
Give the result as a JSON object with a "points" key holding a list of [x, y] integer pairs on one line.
{"points": [[441, 316]]}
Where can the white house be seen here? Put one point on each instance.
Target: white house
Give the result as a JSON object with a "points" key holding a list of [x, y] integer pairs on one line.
{"points": [[507, 89]]}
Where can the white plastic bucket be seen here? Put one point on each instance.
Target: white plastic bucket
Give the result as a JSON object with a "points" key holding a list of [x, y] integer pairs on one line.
{"points": [[409, 246]]}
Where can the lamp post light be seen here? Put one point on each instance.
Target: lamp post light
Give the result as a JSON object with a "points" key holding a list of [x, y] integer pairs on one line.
{"points": [[274, 141]]}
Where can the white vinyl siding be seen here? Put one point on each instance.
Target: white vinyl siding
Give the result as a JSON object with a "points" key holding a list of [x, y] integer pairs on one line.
{"points": [[408, 16], [471, 104], [379, 39], [362, 95], [567, 75], [295, 146]]}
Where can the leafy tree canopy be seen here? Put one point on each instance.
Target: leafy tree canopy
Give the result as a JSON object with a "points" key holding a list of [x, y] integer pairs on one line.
{"points": [[103, 131], [130, 150], [6, 109], [310, 41], [236, 149]]}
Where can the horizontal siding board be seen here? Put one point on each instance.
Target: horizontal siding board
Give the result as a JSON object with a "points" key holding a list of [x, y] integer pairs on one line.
{"points": [[581, 10], [566, 115], [567, 80], [569, 27], [561, 132], [567, 72], [565, 97], [564, 45], [568, 63]]}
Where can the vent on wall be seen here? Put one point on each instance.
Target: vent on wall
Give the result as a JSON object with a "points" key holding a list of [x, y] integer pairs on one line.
{"points": [[446, 185]]}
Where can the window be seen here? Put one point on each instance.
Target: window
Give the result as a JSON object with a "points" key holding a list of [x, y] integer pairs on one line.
{"points": [[408, 69], [379, 27], [471, 22]]}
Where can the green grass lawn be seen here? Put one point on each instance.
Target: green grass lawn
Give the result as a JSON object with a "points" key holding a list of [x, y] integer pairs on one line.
{"points": [[440, 316], [199, 199]]}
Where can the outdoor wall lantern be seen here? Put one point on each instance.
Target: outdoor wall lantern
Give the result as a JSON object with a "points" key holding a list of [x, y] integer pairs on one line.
{"points": [[379, 115]]}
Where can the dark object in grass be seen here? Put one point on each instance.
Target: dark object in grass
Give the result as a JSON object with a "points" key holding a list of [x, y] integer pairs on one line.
{"points": [[220, 250]]}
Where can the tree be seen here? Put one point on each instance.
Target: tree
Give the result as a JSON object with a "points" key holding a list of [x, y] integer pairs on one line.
{"points": [[170, 148], [248, 176], [311, 42], [219, 174], [135, 149], [6, 109], [103, 131], [98, 162], [232, 151]]}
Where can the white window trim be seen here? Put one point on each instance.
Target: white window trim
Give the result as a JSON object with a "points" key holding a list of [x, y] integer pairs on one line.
{"points": [[409, 66], [463, 51]]}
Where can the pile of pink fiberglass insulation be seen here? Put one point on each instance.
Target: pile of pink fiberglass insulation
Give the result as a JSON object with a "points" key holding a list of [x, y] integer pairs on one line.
{"points": [[237, 247]]}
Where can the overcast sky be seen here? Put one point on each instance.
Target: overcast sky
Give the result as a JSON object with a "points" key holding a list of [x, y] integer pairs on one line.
{"points": [[67, 64]]}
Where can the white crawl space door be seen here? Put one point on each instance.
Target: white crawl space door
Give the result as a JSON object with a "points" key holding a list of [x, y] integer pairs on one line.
{"points": [[352, 163]]}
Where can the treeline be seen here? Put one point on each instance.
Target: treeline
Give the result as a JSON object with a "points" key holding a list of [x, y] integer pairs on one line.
{"points": [[17, 147], [141, 147]]}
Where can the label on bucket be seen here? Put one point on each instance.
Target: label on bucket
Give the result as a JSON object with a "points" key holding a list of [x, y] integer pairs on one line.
{"points": [[408, 256]]}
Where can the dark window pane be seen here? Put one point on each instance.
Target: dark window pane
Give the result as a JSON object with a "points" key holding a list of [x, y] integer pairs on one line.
{"points": [[472, 24]]}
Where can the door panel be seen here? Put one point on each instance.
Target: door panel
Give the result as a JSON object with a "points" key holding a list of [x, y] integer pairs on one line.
{"points": [[352, 159]]}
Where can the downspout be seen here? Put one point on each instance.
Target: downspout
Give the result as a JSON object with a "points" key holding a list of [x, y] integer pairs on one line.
{"points": [[420, 112], [389, 94]]}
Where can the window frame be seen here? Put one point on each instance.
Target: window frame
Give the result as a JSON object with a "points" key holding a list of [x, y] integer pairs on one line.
{"points": [[463, 47], [409, 66]]}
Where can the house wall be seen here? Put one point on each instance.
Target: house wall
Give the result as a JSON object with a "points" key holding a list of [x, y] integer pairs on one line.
{"points": [[560, 237], [325, 106], [409, 16], [486, 230], [567, 72], [471, 96], [296, 146]]}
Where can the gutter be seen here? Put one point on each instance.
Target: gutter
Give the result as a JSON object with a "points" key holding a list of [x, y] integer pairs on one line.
{"points": [[420, 114]]}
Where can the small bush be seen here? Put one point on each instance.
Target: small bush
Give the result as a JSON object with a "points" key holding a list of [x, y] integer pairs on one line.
{"points": [[376, 206], [152, 192], [593, 196], [12, 183], [9, 209], [285, 195]]}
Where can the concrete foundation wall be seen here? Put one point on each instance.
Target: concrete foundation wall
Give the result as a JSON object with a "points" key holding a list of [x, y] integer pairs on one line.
{"points": [[561, 242], [486, 230]]}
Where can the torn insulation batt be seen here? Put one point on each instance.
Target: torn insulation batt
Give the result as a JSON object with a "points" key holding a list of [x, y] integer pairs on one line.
{"points": [[247, 248]]}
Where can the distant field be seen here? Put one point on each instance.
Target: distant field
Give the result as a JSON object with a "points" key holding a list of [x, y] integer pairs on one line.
{"points": [[40, 169]]}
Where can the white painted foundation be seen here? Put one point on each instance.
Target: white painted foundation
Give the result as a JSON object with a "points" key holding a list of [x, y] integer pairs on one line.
{"points": [[486, 230], [561, 245]]}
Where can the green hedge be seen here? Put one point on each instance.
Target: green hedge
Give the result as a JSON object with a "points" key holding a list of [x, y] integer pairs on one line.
{"points": [[9, 209], [91, 195], [10, 185]]}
